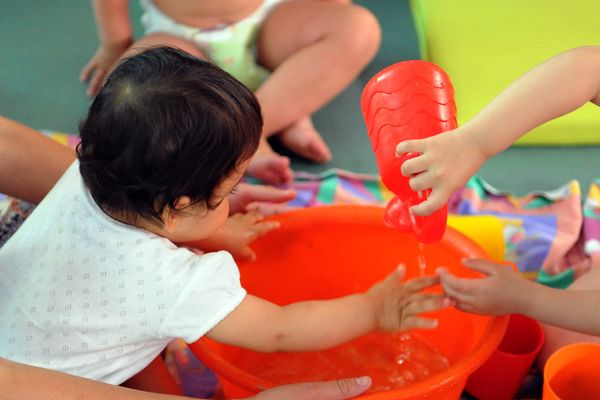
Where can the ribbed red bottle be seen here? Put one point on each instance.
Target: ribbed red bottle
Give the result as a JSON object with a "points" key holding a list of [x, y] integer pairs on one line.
{"points": [[407, 100]]}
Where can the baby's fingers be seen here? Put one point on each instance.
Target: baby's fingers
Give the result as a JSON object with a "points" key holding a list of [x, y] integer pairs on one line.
{"points": [[458, 289], [414, 166], [244, 253], [410, 146], [262, 228], [252, 217], [96, 81], [268, 209], [418, 284], [436, 200], [424, 303], [414, 322], [86, 72], [484, 266]]}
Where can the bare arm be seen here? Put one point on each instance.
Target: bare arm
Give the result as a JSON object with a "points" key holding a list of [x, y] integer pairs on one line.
{"points": [[30, 163], [503, 291], [112, 19], [20, 381], [554, 88], [312, 325], [115, 34], [309, 325], [567, 309]]}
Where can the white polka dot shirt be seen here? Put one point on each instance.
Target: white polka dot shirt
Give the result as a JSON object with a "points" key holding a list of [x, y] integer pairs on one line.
{"points": [[90, 296]]}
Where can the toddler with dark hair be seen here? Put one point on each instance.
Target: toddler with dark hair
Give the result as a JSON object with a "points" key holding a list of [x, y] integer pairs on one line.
{"points": [[93, 284]]}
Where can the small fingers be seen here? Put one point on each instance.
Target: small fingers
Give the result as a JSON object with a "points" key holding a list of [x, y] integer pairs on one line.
{"points": [[484, 266], [245, 253], [252, 217], [422, 182], [436, 200], [87, 71], [467, 306], [268, 209], [458, 288], [424, 303], [414, 322], [410, 146], [254, 193], [263, 228], [414, 166], [96, 81], [420, 283]]}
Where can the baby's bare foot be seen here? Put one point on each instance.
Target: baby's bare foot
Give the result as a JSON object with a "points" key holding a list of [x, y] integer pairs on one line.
{"points": [[302, 138], [270, 168]]}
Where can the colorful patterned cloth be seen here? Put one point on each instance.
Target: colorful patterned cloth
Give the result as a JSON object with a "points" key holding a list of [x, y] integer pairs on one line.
{"points": [[542, 231], [12, 214]]}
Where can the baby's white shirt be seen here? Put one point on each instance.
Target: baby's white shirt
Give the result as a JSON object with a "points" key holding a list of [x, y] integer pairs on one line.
{"points": [[85, 294]]}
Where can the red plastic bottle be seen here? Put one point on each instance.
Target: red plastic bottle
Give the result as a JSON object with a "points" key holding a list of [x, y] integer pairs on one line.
{"points": [[407, 100]]}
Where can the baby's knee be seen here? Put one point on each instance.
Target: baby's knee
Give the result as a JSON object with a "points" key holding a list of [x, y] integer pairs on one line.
{"points": [[362, 30]]}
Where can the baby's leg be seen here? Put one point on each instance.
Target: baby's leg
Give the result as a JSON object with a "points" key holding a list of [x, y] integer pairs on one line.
{"points": [[315, 49], [555, 338]]}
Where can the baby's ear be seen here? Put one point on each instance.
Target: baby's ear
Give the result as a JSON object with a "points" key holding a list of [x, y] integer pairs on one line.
{"points": [[171, 217], [170, 220]]}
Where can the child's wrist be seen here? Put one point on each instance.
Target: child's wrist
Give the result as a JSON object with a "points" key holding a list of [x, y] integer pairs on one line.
{"points": [[374, 305], [473, 137], [526, 297]]}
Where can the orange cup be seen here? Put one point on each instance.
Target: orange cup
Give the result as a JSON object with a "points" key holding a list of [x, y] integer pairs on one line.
{"points": [[571, 373], [502, 375]]}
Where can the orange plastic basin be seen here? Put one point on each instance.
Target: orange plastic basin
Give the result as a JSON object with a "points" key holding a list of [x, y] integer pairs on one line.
{"points": [[328, 252]]}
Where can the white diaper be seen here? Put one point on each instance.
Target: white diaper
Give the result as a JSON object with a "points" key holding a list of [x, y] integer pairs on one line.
{"points": [[230, 46]]}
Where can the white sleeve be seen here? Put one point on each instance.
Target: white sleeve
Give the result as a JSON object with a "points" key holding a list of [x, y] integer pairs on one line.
{"points": [[209, 291]]}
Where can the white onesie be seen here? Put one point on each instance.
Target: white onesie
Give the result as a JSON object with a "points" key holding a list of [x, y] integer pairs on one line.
{"points": [[90, 296]]}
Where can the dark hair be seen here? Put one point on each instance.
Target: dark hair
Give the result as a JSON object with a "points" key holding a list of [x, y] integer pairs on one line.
{"points": [[165, 125]]}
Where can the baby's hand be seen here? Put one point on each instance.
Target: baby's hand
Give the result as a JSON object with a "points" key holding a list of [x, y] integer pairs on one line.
{"points": [[100, 65], [398, 304], [236, 235], [267, 200], [500, 292], [445, 164]]}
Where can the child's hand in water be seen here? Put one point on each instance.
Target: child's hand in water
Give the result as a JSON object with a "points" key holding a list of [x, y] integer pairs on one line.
{"points": [[445, 164], [236, 235], [398, 304], [501, 291]]}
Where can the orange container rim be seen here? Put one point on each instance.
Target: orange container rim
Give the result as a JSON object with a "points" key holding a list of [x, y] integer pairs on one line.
{"points": [[559, 358], [493, 334]]}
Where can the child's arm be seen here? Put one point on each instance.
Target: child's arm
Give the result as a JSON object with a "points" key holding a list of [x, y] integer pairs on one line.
{"points": [[503, 291], [389, 305], [115, 34], [556, 87]]}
